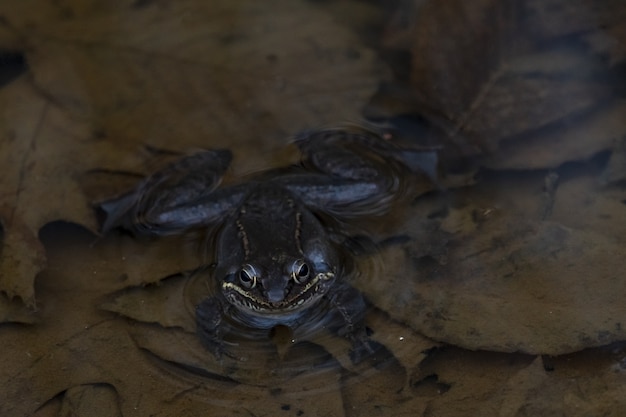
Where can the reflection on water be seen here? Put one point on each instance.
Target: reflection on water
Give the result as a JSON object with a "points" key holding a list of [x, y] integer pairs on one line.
{"points": [[499, 293]]}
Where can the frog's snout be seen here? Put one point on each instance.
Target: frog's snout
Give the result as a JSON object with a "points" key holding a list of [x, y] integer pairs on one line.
{"points": [[275, 295]]}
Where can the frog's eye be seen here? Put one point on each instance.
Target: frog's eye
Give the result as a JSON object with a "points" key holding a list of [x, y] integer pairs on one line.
{"points": [[248, 276], [300, 271]]}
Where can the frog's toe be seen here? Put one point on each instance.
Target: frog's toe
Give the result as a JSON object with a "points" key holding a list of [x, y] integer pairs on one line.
{"points": [[362, 345], [361, 350]]}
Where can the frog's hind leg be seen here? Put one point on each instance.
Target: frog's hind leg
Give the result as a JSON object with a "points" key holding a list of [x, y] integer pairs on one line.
{"points": [[323, 149], [354, 171], [172, 199]]}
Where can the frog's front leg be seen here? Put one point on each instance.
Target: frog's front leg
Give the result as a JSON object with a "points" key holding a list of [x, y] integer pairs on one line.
{"points": [[348, 319], [209, 322], [179, 197], [355, 171]]}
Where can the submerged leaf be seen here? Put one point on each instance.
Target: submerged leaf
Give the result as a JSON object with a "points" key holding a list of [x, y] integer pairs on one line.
{"points": [[558, 18], [44, 151], [163, 303], [486, 74], [91, 400], [579, 140], [511, 286]]}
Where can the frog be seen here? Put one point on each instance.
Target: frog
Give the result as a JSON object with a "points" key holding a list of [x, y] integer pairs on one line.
{"points": [[280, 257]]}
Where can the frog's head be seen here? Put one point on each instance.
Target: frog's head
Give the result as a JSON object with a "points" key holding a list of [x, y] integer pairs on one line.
{"points": [[275, 264]]}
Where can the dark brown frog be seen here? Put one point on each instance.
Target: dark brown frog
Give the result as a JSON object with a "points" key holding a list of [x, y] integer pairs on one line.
{"points": [[276, 261]]}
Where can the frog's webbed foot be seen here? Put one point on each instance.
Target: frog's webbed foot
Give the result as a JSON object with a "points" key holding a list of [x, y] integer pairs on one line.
{"points": [[362, 347], [355, 171], [178, 197]]}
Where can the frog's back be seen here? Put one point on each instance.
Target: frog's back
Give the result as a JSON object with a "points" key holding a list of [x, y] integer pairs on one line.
{"points": [[271, 220], [269, 203]]}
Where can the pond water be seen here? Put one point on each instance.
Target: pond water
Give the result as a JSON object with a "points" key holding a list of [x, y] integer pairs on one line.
{"points": [[495, 289]]}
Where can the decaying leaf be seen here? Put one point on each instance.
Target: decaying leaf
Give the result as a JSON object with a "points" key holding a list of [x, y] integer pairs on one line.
{"points": [[455, 382], [13, 311], [381, 392], [493, 76], [52, 151], [449, 40], [93, 400], [162, 303], [221, 75], [511, 286], [586, 392], [488, 83], [408, 347], [597, 131]]}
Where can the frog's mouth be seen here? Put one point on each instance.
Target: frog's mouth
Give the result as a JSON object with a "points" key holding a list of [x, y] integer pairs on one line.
{"points": [[307, 295]]}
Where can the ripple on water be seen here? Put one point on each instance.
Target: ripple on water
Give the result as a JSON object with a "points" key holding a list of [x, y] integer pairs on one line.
{"points": [[262, 360]]}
